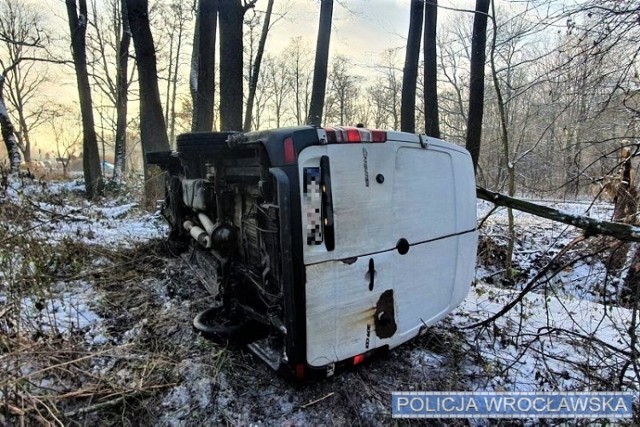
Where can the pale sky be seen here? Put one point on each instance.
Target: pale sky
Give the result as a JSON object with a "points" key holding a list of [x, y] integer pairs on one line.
{"points": [[362, 30]]}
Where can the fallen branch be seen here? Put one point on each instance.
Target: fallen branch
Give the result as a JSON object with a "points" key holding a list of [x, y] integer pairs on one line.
{"points": [[93, 408], [591, 226], [313, 402]]}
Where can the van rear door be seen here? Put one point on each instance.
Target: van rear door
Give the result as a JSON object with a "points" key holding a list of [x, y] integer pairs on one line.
{"points": [[389, 242]]}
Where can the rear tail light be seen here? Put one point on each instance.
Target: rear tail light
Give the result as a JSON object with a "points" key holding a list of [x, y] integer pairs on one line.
{"points": [[300, 371], [349, 134], [358, 359], [289, 150]]}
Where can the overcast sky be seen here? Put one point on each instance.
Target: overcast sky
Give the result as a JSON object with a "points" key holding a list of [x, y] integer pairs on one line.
{"points": [[362, 29]]}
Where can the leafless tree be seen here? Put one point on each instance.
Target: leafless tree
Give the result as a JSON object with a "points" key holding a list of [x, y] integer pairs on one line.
{"points": [[342, 96], [231, 14], [321, 63], [202, 79], [299, 79], [410, 73], [476, 83], [257, 62], [153, 131], [430, 91], [22, 63], [78, 20]]}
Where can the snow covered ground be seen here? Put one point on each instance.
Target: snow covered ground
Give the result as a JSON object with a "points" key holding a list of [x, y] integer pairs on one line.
{"points": [[113, 318]]}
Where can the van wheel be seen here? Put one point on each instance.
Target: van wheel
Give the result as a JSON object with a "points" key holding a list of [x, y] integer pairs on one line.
{"points": [[216, 324]]}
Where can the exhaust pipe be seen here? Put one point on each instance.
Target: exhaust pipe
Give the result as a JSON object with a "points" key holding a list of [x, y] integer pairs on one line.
{"points": [[206, 223], [198, 234]]}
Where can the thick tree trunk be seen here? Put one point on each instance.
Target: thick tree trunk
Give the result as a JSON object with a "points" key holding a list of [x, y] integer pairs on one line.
{"points": [[476, 80], [431, 118], [320, 68], [193, 73], [625, 208], [206, 53], [90, 154], [231, 66], [153, 129], [253, 84], [122, 95], [8, 132], [410, 74]]}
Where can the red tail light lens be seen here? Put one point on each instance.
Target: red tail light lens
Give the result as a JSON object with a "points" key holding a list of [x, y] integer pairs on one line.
{"points": [[353, 135], [289, 150], [378, 136], [347, 134], [300, 371], [358, 359]]}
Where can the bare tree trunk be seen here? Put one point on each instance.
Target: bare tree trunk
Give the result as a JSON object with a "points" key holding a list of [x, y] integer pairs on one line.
{"points": [[476, 80], [253, 84], [24, 139], [122, 94], [320, 68], [153, 130], [506, 152], [625, 208], [193, 73], [205, 49], [431, 118], [231, 70], [174, 87], [410, 74], [8, 132], [90, 155]]}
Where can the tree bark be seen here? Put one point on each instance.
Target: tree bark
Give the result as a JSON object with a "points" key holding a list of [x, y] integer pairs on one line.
{"points": [[253, 84], [476, 80], [206, 53], [193, 73], [320, 68], [410, 74], [431, 118], [153, 129], [231, 70], [8, 132], [90, 155], [122, 95]]}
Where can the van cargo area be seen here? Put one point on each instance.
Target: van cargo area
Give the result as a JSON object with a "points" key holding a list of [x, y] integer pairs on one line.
{"points": [[322, 246]]}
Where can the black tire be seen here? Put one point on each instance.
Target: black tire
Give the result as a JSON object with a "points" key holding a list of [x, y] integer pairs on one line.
{"points": [[214, 324]]}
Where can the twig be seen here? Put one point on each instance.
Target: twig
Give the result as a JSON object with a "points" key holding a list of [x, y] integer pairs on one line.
{"points": [[531, 284], [313, 402], [92, 408]]}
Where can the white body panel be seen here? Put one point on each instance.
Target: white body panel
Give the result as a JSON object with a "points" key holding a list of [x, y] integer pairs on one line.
{"points": [[428, 198]]}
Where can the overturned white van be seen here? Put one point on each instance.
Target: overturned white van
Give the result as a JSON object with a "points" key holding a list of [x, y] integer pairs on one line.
{"points": [[326, 245]]}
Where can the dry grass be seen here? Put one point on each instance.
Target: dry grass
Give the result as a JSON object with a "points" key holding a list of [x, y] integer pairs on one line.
{"points": [[50, 375]]}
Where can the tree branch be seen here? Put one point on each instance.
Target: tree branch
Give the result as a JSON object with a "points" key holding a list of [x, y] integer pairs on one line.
{"points": [[591, 226]]}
